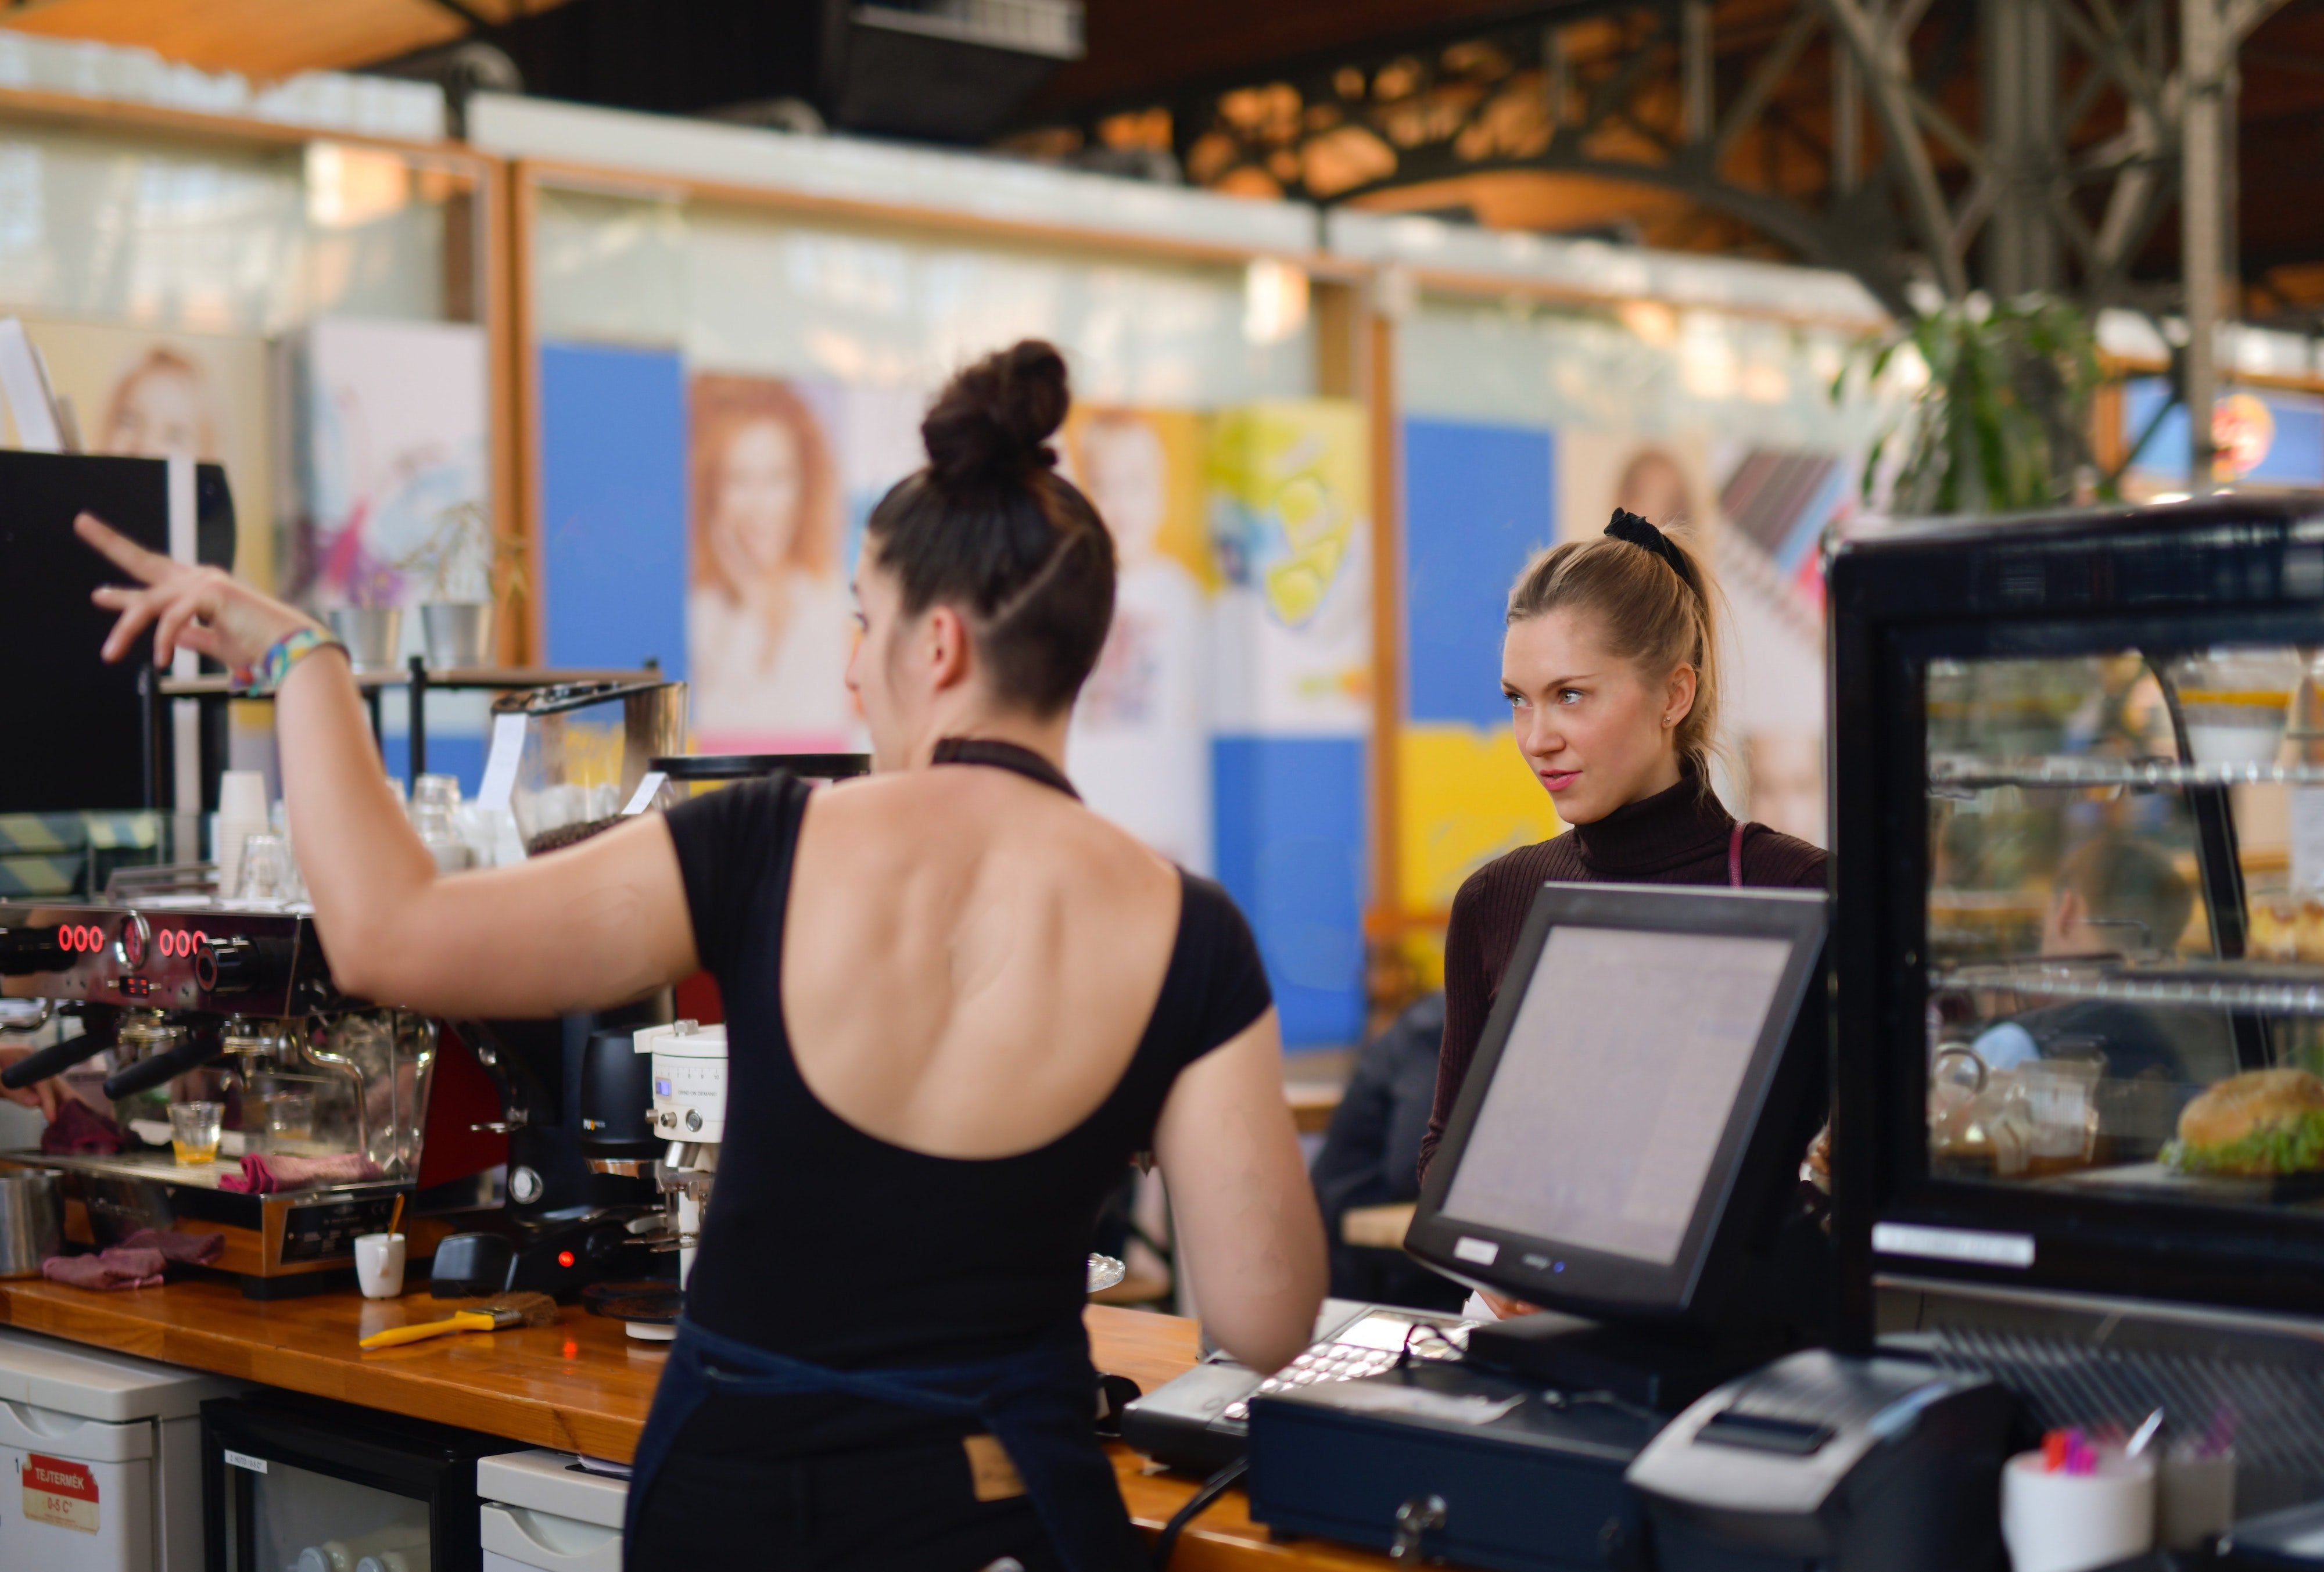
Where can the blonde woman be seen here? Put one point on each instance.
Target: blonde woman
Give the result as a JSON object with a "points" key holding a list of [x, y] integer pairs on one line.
{"points": [[1610, 668]]}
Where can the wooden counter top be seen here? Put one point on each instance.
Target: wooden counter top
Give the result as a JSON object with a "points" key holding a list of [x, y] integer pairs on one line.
{"points": [[582, 1385]]}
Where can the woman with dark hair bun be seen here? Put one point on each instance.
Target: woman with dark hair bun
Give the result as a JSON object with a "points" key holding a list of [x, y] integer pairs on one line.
{"points": [[957, 1003]]}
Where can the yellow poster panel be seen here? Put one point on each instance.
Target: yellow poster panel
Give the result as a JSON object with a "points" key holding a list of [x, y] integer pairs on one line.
{"points": [[1289, 509], [1464, 797]]}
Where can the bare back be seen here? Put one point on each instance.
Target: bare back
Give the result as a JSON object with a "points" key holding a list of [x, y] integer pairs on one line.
{"points": [[1014, 942]]}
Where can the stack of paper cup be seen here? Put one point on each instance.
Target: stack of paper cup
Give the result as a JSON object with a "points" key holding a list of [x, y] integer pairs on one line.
{"points": [[242, 814], [2071, 1522]]}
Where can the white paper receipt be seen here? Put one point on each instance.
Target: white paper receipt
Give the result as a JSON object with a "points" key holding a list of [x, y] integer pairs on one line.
{"points": [[1377, 1397], [499, 765], [642, 798]]}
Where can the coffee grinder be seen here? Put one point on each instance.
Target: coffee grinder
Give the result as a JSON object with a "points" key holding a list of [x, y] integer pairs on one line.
{"points": [[566, 760], [656, 1111]]}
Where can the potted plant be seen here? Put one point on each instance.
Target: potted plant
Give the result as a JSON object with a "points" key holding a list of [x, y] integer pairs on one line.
{"points": [[2001, 420], [371, 624], [467, 568]]}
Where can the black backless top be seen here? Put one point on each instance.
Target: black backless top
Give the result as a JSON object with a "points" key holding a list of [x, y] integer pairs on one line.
{"points": [[828, 1244]]}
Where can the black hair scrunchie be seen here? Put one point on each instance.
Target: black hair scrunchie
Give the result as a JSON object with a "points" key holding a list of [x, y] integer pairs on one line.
{"points": [[1628, 526]]}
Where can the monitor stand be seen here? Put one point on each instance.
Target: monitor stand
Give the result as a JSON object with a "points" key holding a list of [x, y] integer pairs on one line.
{"points": [[1662, 1368]]}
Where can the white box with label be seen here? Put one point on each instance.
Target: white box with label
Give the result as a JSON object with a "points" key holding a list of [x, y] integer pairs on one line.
{"points": [[542, 1511], [104, 1458]]}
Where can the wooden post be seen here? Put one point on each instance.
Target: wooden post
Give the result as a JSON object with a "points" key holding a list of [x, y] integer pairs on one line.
{"points": [[1387, 612], [516, 412]]}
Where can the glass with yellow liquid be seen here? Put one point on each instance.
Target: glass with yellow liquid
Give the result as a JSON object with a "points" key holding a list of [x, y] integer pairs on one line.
{"points": [[194, 1131]]}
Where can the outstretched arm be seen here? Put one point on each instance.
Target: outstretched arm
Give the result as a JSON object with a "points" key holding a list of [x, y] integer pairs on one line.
{"points": [[601, 923], [1244, 1210]]}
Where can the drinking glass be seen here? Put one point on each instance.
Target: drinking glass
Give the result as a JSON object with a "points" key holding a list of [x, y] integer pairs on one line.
{"points": [[266, 870], [193, 1132], [442, 836], [289, 1118], [436, 791]]}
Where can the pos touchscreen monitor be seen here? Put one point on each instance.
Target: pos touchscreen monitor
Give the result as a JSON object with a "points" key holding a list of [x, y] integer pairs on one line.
{"points": [[1632, 1126]]}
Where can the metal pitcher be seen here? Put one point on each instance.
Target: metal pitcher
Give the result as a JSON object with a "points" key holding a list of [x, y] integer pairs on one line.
{"points": [[32, 1220]]}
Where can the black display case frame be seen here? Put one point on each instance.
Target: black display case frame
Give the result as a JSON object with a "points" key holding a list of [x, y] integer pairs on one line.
{"points": [[2160, 580]]}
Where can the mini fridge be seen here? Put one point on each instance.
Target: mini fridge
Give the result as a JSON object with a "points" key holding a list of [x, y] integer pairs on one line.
{"points": [[293, 1483], [107, 1451], [549, 1511]]}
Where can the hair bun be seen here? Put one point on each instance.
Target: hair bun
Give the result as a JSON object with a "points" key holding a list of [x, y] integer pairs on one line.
{"points": [[992, 422]]}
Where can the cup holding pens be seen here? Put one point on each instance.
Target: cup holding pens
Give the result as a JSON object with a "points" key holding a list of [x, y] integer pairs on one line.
{"points": [[2054, 1520]]}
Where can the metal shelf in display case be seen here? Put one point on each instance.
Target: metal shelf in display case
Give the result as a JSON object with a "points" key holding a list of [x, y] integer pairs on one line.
{"points": [[2260, 986], [1951, 772]]}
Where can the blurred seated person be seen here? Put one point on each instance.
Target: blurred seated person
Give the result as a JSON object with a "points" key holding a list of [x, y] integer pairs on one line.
{"points": [[2117, 896], [1371, 1157]]}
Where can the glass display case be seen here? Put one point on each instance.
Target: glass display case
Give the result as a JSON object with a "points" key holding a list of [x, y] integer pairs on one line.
{"points": [[2080, 803]]}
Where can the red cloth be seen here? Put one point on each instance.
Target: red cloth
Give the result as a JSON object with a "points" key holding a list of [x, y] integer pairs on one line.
{"points": [[137, 1262], [79, 1130], [264, 1176], [190, 1249]]}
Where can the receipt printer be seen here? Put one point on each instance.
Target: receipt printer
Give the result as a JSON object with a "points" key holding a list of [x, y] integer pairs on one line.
{"points": [[1818, 1463]]}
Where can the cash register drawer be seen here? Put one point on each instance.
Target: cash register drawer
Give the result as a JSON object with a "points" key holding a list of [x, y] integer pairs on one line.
{"points": [[1530, 1489]]}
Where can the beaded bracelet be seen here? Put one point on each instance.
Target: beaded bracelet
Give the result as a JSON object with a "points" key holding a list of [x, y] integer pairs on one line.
{"points": [[280, 656]]}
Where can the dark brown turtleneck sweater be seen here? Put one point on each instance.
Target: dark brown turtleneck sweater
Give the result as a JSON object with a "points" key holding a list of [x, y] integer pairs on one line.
{"points": [[1680, 836]]}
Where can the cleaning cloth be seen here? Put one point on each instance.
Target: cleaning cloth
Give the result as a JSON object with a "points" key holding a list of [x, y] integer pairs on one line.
{"points": [[138, 1261], [264, 1174], [79, 1130]]}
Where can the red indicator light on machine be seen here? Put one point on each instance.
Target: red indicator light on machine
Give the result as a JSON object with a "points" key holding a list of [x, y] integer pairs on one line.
{"points": [[177, 944], [564, 1257]]}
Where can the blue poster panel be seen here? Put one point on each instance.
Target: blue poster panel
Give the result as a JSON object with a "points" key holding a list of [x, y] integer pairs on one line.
{"points": [[1477, 501], [612, 486], [1291, 839]]}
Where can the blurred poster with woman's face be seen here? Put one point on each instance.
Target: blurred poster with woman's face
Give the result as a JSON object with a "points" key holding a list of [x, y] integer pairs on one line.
{"points": [[768, 628], [1140, 748], [174, 395]]}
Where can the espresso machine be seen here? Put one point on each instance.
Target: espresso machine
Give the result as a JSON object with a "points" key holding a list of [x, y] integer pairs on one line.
{"points": [[181, 999]]}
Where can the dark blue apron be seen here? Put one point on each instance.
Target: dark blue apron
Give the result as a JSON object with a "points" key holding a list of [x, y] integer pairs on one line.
{"points": [[1041, 1405]]}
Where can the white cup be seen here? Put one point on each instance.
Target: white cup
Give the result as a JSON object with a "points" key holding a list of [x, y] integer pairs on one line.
{"points": [[379, 1264], [2071, 1522], [242, 794]]}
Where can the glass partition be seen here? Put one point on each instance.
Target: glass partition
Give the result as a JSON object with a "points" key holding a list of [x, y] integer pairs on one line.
{"points": [[2121, 917]]}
